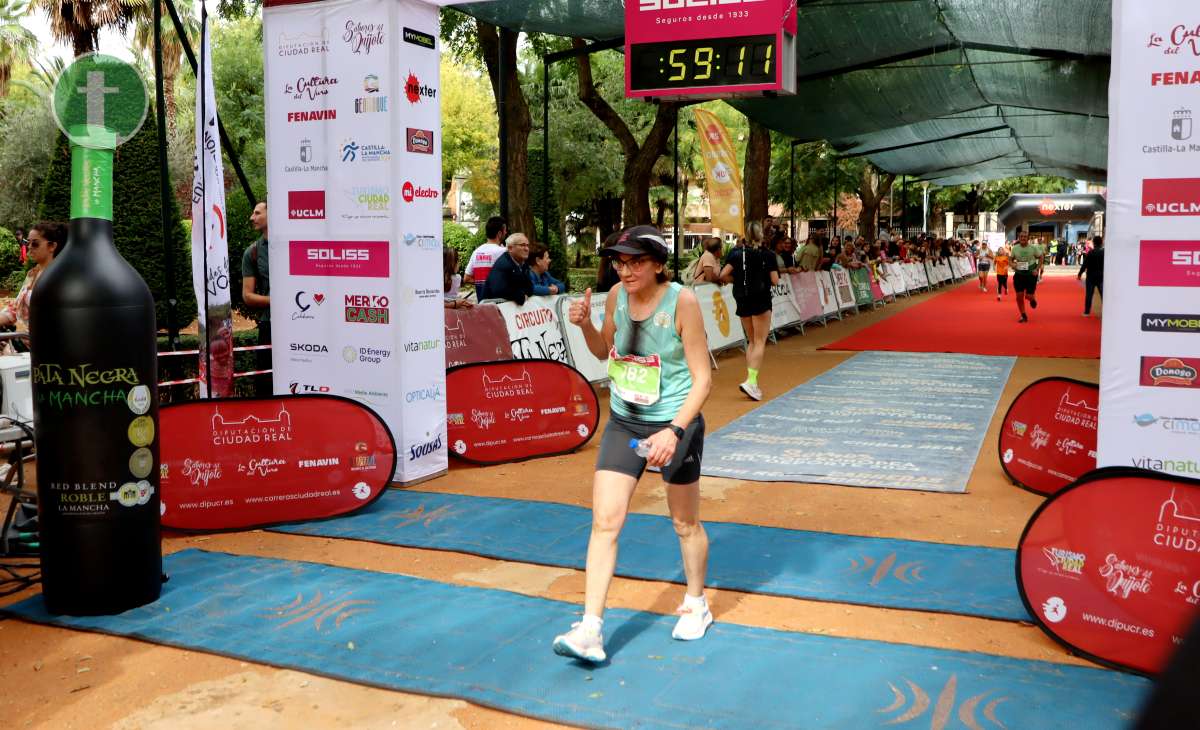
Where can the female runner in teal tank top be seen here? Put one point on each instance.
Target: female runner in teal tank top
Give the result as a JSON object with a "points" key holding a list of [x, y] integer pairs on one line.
{"points": [[659, 375]]}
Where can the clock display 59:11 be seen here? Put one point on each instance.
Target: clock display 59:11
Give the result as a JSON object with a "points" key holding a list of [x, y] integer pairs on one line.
{"points": [[707, 62]]}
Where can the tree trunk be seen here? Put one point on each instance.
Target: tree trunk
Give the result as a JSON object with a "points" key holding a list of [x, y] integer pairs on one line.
{"points": [[608, 216], [872, 189], [520, 210], [639, 158], [756, 172], [5, 76], [83, 40]]}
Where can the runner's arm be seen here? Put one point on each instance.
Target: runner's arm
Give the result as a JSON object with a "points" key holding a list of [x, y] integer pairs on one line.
{"points": [[599, 341]]}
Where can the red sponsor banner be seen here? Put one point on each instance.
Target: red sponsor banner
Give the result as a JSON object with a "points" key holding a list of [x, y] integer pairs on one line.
{"points": [[1169, 263], [476, 335], [510, 411], [876, 289], [306, 205], [238, 463], [339, 258], [1179, 196], [1048, 435], [1110, 566], [1170, 372]]}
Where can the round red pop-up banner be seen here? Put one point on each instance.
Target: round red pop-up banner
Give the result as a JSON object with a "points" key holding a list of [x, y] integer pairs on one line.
{"points": [[499, 412], [1110, 566], [236, 463], [1048, 435]]}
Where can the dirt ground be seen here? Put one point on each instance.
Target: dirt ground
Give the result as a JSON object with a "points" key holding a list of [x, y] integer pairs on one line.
{"points": [[53, 678]]}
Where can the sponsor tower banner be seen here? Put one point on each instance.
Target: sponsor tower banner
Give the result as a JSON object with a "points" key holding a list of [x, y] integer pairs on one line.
{"points": [[1048, 435], [232, 464], [354, 179], [1150, 351], [1110, 566], [521, 409]]}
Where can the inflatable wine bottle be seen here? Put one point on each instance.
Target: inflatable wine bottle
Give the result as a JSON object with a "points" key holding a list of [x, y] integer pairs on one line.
{"points": [[93, 331]]}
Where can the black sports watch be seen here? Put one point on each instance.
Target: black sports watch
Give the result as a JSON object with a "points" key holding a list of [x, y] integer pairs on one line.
{"points": [[679, 432]]}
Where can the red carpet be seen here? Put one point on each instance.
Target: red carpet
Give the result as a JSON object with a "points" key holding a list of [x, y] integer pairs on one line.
{"points": [[967, 320]]}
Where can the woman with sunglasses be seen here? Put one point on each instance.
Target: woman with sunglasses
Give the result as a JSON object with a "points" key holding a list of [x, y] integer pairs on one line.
{"points": [[46, 240], [659, 377]]}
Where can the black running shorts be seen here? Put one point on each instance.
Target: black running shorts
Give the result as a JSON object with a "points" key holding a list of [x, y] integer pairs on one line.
{"points": [[617, 455], [753, 305], [1023, 281]]}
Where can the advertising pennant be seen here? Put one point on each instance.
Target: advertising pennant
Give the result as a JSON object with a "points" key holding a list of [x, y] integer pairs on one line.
{"points": [[722, 172], [210, 241]]}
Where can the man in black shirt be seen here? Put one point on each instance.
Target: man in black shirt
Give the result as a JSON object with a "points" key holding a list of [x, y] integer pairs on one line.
{"points": [[509, 278], [1093, 266]]}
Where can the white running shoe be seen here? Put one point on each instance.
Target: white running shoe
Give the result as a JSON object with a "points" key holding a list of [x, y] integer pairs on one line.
{"points": [[581, 643], [753, 391], [692, 624]]}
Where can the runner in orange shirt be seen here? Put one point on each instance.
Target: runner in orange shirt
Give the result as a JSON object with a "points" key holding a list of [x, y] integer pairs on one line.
{"points": [[1001, 260]]}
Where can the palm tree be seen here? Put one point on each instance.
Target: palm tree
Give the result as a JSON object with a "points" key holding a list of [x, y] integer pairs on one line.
{"points": [[79, 22], [172, 48], [42, 75], [17, 43]]}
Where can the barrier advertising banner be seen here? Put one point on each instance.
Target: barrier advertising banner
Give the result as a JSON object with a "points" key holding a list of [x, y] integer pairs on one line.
{"points": [[1150, 359], [861, 281], [717, 307], [476, 335], [784, 312], [875, 284], [353, 130], [534, 329], [1048, 435], [895, 273], [842, 289], [829, 304], [807, 292], [1110, 566], [521, 409], [238, 463]]}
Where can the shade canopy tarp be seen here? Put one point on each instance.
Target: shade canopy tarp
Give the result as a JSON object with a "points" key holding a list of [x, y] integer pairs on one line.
{"points": [[951, 91]]}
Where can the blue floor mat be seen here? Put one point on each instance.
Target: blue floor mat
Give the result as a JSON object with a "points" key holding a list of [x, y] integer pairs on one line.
{"points": [[922, 576], [880, 419], [492, 647]]}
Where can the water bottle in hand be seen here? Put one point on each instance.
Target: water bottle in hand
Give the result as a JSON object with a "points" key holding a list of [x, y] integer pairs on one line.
{"points": [[641, 446]]}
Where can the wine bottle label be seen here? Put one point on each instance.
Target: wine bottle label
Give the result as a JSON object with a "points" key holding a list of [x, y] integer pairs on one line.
{"points": [[91, 183], [117, 477]]}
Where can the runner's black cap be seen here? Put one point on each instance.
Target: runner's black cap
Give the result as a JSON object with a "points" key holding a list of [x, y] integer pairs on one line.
{"points": [[639, 241]]}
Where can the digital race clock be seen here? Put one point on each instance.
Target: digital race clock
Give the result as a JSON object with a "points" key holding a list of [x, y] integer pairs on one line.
{"points": [[719, 48]]}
